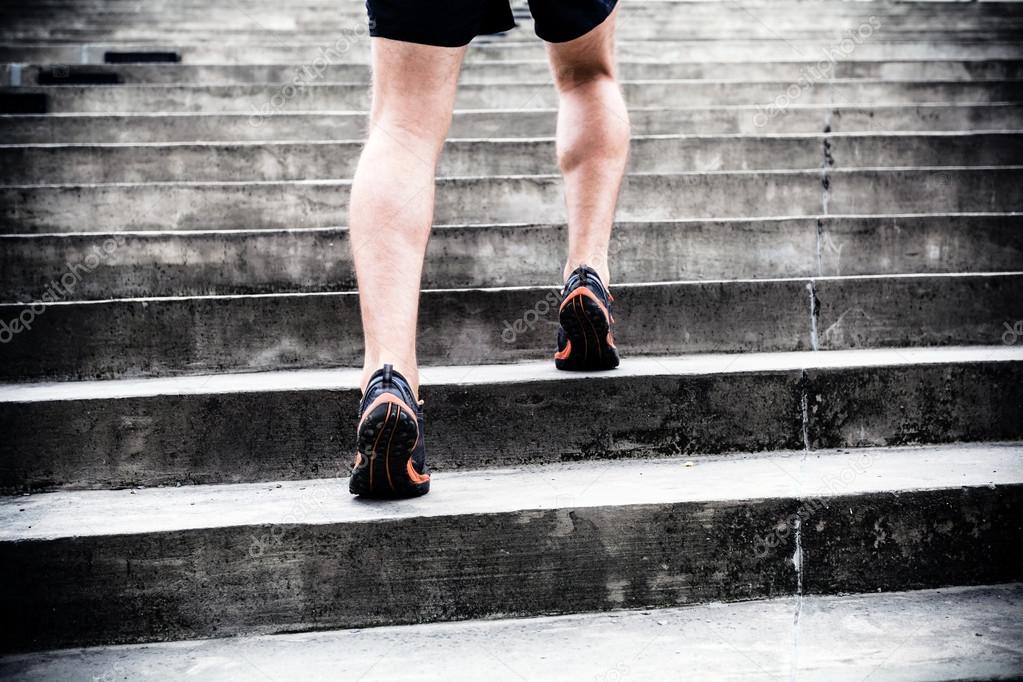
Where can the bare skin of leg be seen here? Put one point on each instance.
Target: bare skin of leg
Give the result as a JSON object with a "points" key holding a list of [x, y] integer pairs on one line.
{"points": [[592, 143], [391, 207]]}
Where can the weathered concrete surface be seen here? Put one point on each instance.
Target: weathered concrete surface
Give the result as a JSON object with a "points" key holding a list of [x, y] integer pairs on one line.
{"points": [[898, 542], [170, 264], [798, 118], [191, 562], [920, 244], [152, 337], [915, 310], [271, 18], [253, 99], [299, 425], [518, 199], [901, 405], [259, 161], [259, 262], [723, 50], [920, 190], [326, 160], [196, 335], [520, 71], [956, 633], [795, 25]]}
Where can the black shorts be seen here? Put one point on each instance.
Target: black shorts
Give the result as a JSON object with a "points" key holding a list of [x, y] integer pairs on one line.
{"points": [[453, 23]]}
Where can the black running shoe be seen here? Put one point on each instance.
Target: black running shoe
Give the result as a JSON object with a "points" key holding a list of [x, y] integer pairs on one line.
{"points": [[391, 457], [585, 340]]}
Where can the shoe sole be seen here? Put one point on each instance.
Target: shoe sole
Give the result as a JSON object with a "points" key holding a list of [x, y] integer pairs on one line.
{"points": [[590, 345], [387, 437]]}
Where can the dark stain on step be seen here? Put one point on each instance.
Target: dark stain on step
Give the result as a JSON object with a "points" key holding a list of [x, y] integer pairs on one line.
{"points": [[142, 57], [66, 76], [24, 103]]}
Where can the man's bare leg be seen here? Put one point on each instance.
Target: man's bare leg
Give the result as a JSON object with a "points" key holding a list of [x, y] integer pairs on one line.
{"points": [[391, 208], [593, 142]]}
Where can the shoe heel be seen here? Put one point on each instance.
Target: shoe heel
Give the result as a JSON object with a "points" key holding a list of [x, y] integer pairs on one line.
{"points": [[386, 439], [588, 331]]}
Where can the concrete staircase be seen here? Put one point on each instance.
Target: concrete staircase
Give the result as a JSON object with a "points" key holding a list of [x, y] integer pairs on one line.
{"points": [[819, 276]]}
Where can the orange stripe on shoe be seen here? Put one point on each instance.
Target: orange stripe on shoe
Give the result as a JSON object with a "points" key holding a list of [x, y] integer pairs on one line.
{"points": [[414, 475], [387, 457], [563, 354]]}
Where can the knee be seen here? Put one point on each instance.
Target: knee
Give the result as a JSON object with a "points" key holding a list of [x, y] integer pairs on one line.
{"points": [[584, 75], [423, 135]]}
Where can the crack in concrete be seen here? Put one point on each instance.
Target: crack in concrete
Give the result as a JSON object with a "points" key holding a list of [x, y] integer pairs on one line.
{"points": [[797, 557], [827, 162], [811, 288]]}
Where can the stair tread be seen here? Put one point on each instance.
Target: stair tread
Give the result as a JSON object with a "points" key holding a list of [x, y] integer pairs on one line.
{"points": [[943, 634], [787, 475], [540, 370]]}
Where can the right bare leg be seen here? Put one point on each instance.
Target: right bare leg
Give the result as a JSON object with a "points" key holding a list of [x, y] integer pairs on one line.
{"points": [[593, 142], [391, 208]]}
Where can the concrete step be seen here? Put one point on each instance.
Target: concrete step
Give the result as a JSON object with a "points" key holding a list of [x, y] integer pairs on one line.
{"points": [[323, 24], [107, 567], [300, 424], [348, 31], [263, 161], [323, 18], [148, 264], [196, 335], [29, 209], [655, 7], [749, 119], [513, 72], [944, 634], [526, 47], [258, 100]]}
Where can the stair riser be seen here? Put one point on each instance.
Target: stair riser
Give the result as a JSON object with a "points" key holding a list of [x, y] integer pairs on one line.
{"points": [[301, 434], [298, 161], [841, 555], [258, 579], [539, 199], [475, 72], [539, 123], [263, 100], [196, 336], [297, 261], [723, 50]]}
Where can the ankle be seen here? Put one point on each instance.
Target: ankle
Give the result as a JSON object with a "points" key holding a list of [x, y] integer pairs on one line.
{"points": [[601, 269], [410, 372]]}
